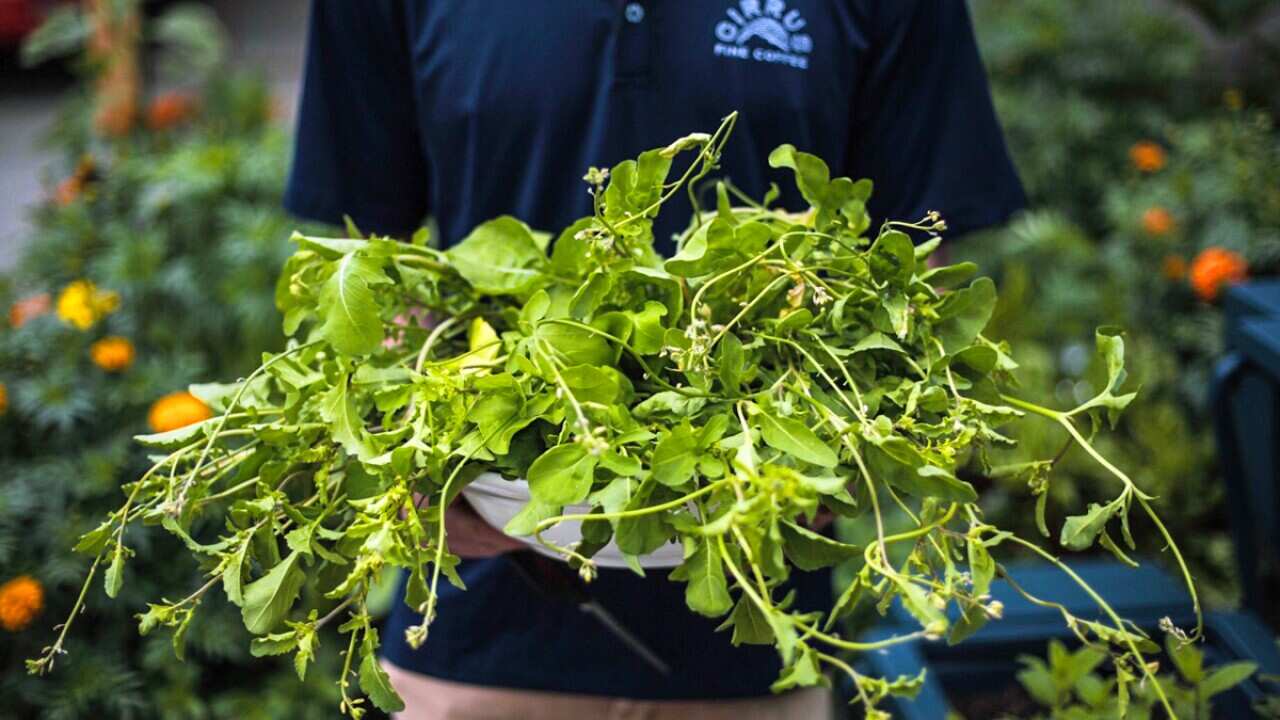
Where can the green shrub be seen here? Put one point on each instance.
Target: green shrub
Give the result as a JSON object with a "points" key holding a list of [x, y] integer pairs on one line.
{"points": [[176, 223]]}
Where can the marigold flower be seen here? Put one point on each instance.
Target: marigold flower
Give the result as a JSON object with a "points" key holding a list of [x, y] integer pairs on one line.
{"points": [[81, 304], [21, 600], [1215, 267], [67, 191], [175, 410], [1157, 221], [4, 399], [73, 186], [112, 354], [170, 109], [29, 308], [1174, 267], [114, 119], [1147, 156]]}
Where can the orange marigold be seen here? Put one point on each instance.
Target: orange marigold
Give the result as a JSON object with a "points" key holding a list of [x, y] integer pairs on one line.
{"points": [[1215, 267], [175, 410], [29, 308], [112, 353], [1174, 267], [21, 600], [170, 109], [1147, 156], [1157, 221], [67, 191], [4, 399]]}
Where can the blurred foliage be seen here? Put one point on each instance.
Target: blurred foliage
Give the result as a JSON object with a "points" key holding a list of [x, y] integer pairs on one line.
{"points": [[1137, 159], [174, 218]]}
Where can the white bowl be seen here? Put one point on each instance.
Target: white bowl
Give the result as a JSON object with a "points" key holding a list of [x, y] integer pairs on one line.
{"points": [[497, 500]]}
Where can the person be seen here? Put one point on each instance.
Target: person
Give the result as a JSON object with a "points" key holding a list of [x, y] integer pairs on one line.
{"points": [[466, 110]]}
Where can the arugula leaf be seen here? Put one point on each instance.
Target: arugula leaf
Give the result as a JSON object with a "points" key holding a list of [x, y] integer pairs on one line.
{"points": [[268, 599], [562, 475], [500, 257], [676, 456], [795, 439], [348, 308], [706, 590], [374, 681]]}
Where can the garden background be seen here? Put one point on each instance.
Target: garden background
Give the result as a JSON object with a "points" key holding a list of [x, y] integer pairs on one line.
{"points": [[1143, 131]]}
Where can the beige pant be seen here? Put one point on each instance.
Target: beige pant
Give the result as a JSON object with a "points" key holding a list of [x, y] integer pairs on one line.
{"points": [[426, 698]]}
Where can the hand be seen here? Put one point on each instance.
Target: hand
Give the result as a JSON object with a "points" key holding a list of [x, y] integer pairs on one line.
{"points": [[470, 537]]}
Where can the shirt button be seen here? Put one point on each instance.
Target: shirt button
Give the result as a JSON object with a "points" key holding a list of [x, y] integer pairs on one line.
{"points": [[634, 13]]}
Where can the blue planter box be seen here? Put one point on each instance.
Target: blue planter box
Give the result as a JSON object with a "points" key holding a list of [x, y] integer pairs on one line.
{"points": [[986, 663], [1246, 417]]}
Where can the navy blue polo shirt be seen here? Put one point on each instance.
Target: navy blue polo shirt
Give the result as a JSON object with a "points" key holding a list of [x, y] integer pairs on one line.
{"points": [[464, 110]]}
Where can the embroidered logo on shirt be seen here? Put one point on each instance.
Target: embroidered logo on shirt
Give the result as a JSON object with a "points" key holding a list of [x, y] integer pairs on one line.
{"points": [[764, 31]]}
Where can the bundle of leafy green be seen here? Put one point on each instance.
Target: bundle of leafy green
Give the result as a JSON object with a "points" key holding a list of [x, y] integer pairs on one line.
{"points": [[779, 364]]}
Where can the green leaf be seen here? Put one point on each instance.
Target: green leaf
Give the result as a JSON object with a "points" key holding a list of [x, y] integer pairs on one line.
{"points": [[523, 523], [64, 30], [893, 258], [1079, 532], [812, 174], [749, 625], [274, 644], [898, 461], [668, 402], [572, 345], [809, 550], [648, 330], [1225, 677], [601, 385], [877, 341], [114, 578], [731, 362], [233, 575], [965, 313], [177, 438], [562, 475], [707, 591], [805, 671], [338, 408], [795, 439], [676, 456], [268, 599], [1110, 351], [982, 568], [348, 307], [374, 681], [500, 257], [1186, 657]]}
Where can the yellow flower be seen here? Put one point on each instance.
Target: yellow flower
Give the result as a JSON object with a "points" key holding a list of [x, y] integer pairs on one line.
{"points": [[1147, 156], [81, 304], [112, 354], [21, 600], [175, 410]]}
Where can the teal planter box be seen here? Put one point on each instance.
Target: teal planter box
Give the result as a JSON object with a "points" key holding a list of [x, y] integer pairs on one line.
{"points": [[1245, 401], [985, 665]]}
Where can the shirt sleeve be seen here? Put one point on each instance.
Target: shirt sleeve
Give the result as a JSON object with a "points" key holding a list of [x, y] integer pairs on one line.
{"points": [[357, 149], [924, 128]]}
